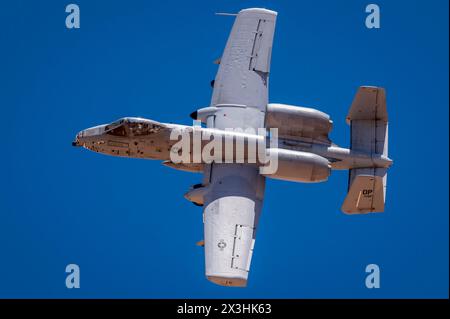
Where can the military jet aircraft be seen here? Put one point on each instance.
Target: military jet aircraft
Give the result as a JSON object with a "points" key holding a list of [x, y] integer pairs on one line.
{"points": [[232, 192]]}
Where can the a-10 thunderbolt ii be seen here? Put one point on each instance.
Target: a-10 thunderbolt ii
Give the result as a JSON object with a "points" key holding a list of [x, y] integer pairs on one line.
{"points": [[232, 190]]}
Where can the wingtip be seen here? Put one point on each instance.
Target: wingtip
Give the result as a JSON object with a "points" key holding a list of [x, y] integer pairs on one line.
{"points": [[228, 281], [259, 10]]}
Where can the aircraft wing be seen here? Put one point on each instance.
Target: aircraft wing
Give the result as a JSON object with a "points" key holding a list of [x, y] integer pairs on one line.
{"points": [[234, 197], [231, 212], [245, 64]]}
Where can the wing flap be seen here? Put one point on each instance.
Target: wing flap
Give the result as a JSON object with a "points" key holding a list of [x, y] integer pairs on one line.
{"points": [[262, 46], [242, 247]]}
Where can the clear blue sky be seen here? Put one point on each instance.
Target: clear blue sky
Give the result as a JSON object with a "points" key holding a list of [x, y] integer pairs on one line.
{"points": [[125, 221]]}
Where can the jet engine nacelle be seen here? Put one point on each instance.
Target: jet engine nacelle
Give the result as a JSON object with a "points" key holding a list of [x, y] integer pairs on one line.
{"points": [[296, 121], [299, 166]]}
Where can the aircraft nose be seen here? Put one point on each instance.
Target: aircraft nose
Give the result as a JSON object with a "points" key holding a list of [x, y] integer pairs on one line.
{"points": [[77, 141], [88, 134]]}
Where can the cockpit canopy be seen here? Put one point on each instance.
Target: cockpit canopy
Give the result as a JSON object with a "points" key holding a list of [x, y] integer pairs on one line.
{"points": [[133, 126]]}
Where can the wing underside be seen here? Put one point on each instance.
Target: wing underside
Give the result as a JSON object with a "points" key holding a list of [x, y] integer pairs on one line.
{"points": [[242, 77], [232, 210], [234, 196]]}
